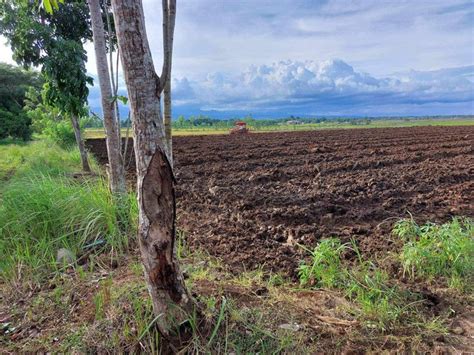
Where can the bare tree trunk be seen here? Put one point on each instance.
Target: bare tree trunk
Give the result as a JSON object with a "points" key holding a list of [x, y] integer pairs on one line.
{"points": [[167, 122], [80, 143], [155, 181], [116, 168], [114, 80], [169, 19]]}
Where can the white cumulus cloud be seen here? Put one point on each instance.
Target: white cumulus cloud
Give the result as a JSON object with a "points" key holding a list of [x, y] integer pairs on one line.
{"points": [[324, 86]]}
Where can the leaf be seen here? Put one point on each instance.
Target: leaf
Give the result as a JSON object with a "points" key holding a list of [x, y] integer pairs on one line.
{"points": [[47, 6], [121, 98], [54, 4]]}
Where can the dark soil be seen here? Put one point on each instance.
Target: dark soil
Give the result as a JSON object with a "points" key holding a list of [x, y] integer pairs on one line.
{"points": [[249, 199]]}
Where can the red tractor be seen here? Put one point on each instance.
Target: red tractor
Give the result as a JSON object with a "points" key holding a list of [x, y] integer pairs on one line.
{"points": [[239, 128]]}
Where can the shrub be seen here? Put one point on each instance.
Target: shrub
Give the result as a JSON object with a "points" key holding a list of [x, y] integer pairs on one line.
{"points": [[60, 132], [15, 82], [49, 120], [14, 124]]}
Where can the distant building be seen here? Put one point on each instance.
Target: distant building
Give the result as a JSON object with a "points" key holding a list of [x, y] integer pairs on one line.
{"points": [[294, 122]]}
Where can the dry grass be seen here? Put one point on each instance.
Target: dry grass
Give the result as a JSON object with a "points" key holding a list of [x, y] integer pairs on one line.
{"points": [[99, 308]]}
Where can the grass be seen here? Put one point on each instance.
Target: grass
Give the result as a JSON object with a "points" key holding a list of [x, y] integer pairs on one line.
{"points": [[36, 158], [227, 326], [99, 133], [44, 209], [428, 252], [246, 312], [380, 305], [438, 251]]}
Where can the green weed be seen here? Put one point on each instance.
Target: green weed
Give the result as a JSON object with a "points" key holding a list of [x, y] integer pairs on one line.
{"points": [[102, 299], [438, 251], [325, 269], [380, 305]]}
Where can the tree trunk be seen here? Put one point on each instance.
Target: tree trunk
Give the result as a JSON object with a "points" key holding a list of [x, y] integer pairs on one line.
{"points": [[116, 167], [80, 143], [167, 114], [155, 181], [169, 19]]}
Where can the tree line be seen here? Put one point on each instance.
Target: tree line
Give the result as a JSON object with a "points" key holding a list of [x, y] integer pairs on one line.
{"points": [[23, 111]]}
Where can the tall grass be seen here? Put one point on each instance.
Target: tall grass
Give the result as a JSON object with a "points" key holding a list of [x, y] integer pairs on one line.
{"points": [[44, 209], [37, 158]]}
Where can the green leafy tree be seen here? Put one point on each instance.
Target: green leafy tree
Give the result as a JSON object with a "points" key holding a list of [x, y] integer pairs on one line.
{"points": [[49, 120], [32, 32], [181, 121], [54, 42], [66, 85], [66, 77], [15, 83]]}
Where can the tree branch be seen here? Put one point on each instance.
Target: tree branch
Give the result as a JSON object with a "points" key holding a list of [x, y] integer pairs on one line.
{"points": [[172, 20], [166, 46]]}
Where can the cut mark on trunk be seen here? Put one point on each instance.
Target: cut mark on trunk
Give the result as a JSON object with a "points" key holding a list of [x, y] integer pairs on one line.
{"points": [[158, 201]]}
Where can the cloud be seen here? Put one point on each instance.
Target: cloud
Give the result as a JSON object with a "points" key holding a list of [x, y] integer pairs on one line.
{"points": [[222, 50], [377, 37], [327, 87]]}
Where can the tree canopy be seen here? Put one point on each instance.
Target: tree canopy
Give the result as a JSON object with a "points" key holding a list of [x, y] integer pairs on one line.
{"points": [[54, 42], [66, 77], [33, 33], [15, 82]]}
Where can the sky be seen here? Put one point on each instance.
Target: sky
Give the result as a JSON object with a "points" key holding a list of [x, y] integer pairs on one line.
{"points": [[278, 58]]}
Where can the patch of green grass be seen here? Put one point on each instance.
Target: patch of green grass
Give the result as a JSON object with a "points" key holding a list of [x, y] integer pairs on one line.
{"points": [[380, 305], [44, 209], [429, 252], [325, 269], [102, 299], [37, 158], [40, 215], [436, 251]]}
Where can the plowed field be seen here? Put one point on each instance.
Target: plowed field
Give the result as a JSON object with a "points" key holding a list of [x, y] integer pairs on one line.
{"points": [[250, 199]]}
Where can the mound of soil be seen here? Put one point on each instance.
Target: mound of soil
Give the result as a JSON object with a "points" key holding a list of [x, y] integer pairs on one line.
{"points": [[250, 199]]}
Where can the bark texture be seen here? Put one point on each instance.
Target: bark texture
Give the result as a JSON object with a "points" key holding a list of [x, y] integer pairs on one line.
{"points": [[80, 143], [112, 130], [156, 196], [167, 120]]}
